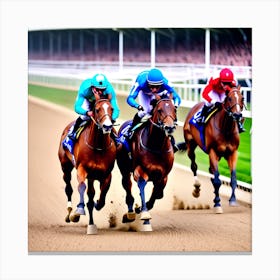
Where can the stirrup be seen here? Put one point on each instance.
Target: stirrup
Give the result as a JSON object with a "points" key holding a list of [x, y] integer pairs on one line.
{"points": [[72, 136], [145, 118]]}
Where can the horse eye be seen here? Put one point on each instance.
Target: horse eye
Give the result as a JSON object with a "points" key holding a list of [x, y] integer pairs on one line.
{"points": [[229, 99], [159, 111]]}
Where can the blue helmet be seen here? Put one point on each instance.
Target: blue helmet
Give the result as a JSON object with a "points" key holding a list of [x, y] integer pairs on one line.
{"points": [[155, 77], [99, 81]]}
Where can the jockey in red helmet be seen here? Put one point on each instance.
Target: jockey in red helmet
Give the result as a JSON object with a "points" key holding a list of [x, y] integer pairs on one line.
{"points": [[215, 93]]}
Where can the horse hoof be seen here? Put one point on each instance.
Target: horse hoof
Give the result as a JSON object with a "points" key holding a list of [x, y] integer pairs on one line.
{"points": [[80, 211], [233, 204], [137, 209], [196, 194], [75, 218], [145, 227], [91, 229], [98, 206], [129, 217], [145, 215], [67, 219], [196, 184], [218, 210]]}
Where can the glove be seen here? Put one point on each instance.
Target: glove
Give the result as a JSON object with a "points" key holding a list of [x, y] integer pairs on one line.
{"points": [[140, 108], [218, 105], [90, 113]]}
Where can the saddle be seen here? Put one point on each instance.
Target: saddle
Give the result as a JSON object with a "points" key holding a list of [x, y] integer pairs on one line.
{"points": [[127, 132], [201, 126], [68, 143]]}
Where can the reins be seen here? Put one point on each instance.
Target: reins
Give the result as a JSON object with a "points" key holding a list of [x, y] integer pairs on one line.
{"points": [[99, 127], [159, 125]]}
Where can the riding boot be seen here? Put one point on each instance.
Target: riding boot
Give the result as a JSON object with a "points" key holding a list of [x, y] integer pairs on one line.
{"points": [[174, 145], [240, 127], [203, 114], [135, 121], [77, 124], [115, 138]]}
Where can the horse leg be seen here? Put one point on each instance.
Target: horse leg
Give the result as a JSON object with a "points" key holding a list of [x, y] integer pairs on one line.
{"points": [[233, 182], [145, 215], [81, 175], [157, 192], [215, 181], [104, 187], [91, 229], [67, 169], [191, 154], [127, 185]]}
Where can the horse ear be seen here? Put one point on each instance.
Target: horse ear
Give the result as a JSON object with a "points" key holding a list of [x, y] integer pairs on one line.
{"points": [[157, 97], [239, 86], [96, 96], [109, 97]]}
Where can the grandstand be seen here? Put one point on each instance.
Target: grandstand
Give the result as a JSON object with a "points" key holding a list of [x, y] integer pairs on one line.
{"points": [[228, 46], [188, 56]]}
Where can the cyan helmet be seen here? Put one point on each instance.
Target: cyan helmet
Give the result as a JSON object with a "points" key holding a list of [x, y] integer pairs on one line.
{"points": [[155, 77], [99, 81]]}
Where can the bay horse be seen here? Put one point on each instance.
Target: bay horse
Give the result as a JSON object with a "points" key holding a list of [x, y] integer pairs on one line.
{"points": [[93, 157], [220, 139], [152, 159]]}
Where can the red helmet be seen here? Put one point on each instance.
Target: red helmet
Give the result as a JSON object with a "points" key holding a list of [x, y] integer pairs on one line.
{"points": [[226, 75]]}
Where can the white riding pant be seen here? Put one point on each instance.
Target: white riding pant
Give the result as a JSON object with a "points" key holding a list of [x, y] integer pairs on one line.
{"points": [[145, 100], [215, 97], [86, 106]]}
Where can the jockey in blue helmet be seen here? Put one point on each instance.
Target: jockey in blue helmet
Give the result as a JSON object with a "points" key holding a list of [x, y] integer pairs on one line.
{"points": [[147, 84], [100, 85]]}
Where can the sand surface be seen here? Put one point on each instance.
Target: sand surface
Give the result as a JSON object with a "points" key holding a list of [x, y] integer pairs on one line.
{"points": [[174, 231]]}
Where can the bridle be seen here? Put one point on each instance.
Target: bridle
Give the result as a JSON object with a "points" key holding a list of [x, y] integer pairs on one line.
{"points": [[228, 109], [159, 123], [97, 122]]}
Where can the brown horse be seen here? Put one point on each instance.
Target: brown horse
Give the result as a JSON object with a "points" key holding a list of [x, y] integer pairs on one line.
{"points": [[220, 139], [152, 158], [94, 158]]}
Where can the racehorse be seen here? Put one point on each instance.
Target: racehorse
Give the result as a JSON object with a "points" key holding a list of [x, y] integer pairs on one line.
{"points": [[220, 139], [93, 157], [152, 158]]}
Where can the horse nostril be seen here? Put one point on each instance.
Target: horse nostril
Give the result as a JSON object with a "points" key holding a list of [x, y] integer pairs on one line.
{"points": [[169, 129], [107, 127], [237, 116]]}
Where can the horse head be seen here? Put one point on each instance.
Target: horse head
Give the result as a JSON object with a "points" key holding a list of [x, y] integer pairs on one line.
{"points": [[234, 103], [164, 115], [103, 111]]}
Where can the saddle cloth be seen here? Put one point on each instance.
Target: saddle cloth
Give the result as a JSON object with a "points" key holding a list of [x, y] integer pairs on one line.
{"points": [[201, 126], [68, 143]]}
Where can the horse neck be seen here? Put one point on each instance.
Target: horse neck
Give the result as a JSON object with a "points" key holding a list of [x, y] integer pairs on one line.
{"points": [[157, 138], [225, 122], [96, 139]]}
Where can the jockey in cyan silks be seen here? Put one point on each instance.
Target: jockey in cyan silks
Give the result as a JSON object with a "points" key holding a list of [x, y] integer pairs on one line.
{"points": [[100, 85], [147, 84]]}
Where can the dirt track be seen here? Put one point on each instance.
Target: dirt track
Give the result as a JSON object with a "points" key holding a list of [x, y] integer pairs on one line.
{"points": [[173, 230]]}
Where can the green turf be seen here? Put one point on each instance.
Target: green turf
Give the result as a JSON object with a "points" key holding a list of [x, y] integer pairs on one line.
{"points": [[67, 98]]}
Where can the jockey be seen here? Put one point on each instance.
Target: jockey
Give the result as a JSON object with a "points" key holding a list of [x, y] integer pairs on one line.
{"points": [[100, 85], [215, 93], [147, 84]]}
